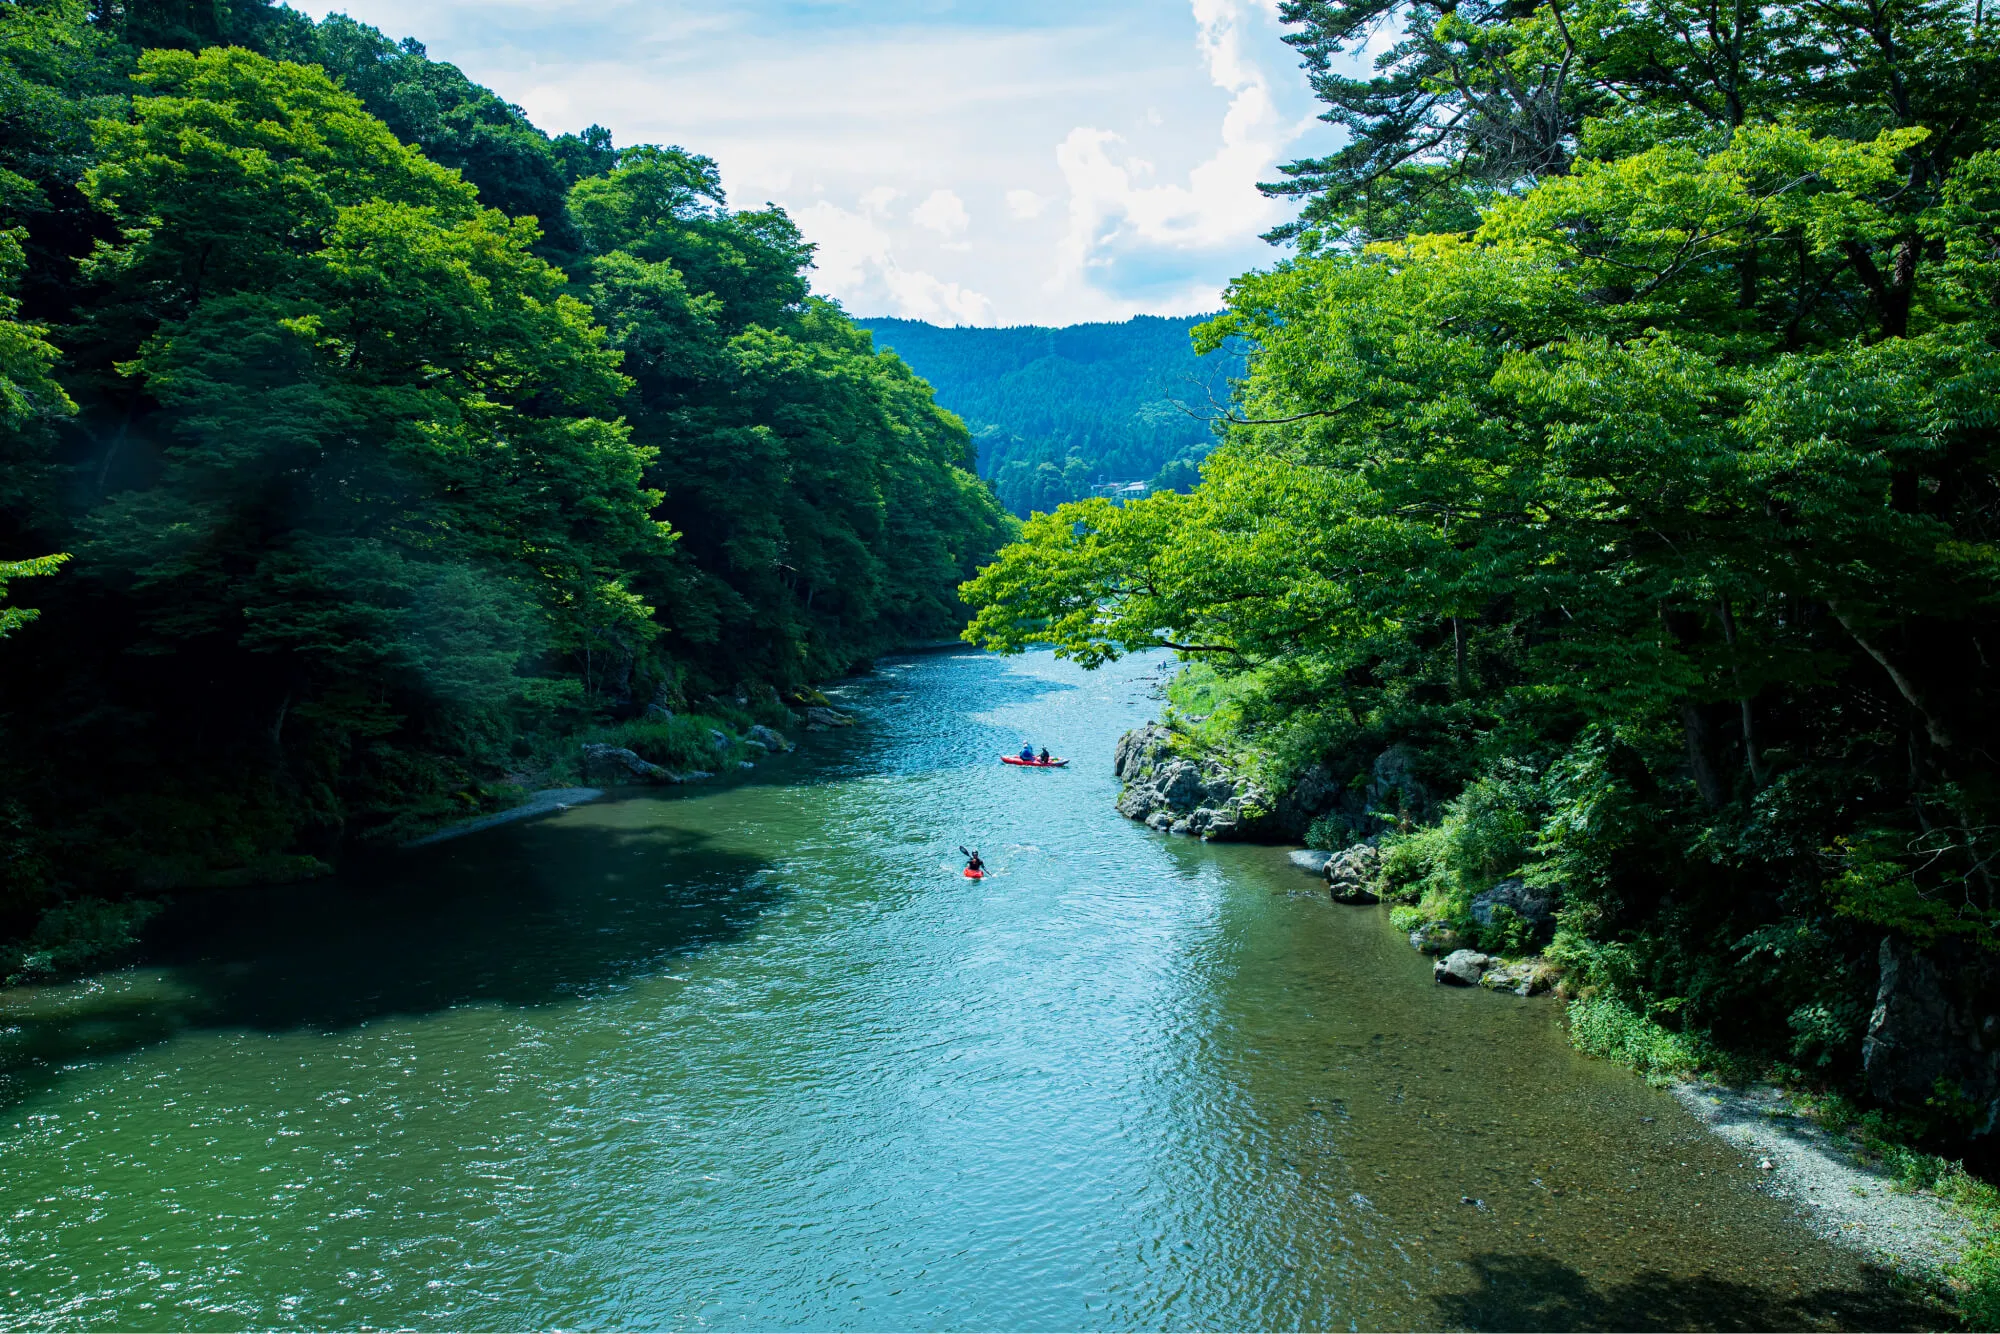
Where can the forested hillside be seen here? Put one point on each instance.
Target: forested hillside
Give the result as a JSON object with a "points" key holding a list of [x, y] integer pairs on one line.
{"points": [[392, 444], [1053, 412], [1614, 510]]}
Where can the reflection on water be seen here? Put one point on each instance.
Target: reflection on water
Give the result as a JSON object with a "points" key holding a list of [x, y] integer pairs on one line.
{"points": [[758, 1057]]}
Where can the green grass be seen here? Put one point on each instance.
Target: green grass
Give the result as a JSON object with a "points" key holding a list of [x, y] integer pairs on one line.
{"points": [[1611, 1030], [685, 743]]}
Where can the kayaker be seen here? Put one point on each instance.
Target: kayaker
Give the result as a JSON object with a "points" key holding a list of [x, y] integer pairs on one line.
{"points": [[1045, 754], [1028, 753], [972, 862]]}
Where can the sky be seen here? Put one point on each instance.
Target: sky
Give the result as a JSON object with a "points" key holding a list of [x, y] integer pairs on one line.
{"points": [[956, 161]]}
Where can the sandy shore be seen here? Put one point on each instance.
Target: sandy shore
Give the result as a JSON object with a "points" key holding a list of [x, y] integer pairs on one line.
{"points": [[541, 803], [1839, 1196]]}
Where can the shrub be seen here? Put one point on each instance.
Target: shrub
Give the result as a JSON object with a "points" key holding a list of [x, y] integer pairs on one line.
{"points": [[1607, 1028]]}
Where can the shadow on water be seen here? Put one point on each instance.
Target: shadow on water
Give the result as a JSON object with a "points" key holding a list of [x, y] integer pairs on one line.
{"points": [[531, 915], [1535, 1292]]}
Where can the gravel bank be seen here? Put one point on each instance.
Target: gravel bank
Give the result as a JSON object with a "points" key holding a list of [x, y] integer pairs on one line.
{"points": [[1840, 1197], [541, 803]]}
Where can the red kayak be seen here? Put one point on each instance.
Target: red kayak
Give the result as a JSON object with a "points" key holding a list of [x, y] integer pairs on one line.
{"points": [[1032, 764], [975, 875]]}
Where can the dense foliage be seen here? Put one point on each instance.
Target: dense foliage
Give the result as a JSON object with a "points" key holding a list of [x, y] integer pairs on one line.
{"points": [[1621, 443], [1056, 412], [390, 444]]}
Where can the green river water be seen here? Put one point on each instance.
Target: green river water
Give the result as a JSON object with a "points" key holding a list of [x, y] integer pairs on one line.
{"points": [[757, 1057]]}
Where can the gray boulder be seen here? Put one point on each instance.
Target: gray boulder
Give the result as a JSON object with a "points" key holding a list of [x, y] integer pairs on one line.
{"points": [[1198, 796], [616, 762], [1936, 1018], [820, 719], [1536, 906], [1310, 861], [1529, 977], [1393, 785], [1436, 938], [770, 738], [1461, 968], [659, 713], [1140, 749], [1351, 874]]}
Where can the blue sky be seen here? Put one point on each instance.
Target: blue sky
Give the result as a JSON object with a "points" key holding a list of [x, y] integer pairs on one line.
{"points": [[960, 161]]}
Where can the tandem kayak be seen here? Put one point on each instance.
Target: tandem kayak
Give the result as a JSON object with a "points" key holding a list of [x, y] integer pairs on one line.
{"points": [[1032, 764]]}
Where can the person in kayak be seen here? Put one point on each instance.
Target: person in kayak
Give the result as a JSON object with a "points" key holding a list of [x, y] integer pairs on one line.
{"points": [[1028, 753], [1045, 754], [972, 862]]}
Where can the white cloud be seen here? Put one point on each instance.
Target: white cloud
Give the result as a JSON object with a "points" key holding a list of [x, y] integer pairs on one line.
{"points": [[1025, 205], [944, 213], [1130, 133], [1111, 211], [856, 264]]}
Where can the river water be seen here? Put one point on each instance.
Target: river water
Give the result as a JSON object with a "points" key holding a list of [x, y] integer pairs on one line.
{"points": [[758, 1057]]}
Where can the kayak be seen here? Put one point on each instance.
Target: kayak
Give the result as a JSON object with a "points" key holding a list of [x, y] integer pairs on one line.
{"points": [[975, 875], [1032, 764]]}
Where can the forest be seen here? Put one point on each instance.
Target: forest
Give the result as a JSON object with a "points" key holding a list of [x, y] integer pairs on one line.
{"points": [[1619, 448], [364, 447], [1055, 412]]}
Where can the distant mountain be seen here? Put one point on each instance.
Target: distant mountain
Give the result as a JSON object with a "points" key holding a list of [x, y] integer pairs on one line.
{"points": [[1058, 412]]}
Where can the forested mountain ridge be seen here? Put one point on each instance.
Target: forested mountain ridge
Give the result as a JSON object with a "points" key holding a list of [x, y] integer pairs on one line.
{"points": [[393, 446], [1610, 528], [1055, 411]]}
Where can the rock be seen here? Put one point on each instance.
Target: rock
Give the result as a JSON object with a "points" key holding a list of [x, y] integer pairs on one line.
{"points": [[819, 716], [1526, 977], [1394, 786], [1351, 874], [1767, 1165], [659, 713], [745, 764], [1139, 749], [1460, 968], [620, 762], [719, 740], [696, 776], [1160, 820], [770, 738], [1936, 1019], [1310, 861], [1536, 906], [1199, 796], [1436, 938]]}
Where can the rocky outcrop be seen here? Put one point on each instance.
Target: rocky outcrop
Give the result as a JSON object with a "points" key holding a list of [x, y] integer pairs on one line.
{"points": [[1535, 906], [1436, 938], [619, 764], [1183, 795], [1352, 874], [1524, 977], [1368, 794], [820, 718], [1936, 1019], [1461, 968], [770, 739]]}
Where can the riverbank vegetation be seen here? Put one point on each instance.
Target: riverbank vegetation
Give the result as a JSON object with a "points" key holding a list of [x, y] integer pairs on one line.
{"points": [[1610, 506], [394, 445]]}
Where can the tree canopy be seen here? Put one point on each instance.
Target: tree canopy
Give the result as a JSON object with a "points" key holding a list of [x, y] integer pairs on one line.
{"points": [[391, 442], [1621, 436]]}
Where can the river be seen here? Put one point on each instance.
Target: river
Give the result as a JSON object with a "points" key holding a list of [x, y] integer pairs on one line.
{"points": [[757, 1057]]}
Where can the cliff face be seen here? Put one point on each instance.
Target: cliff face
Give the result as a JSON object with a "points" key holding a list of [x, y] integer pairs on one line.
{"points": [[1181, 795]]}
